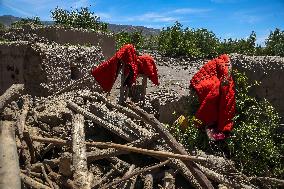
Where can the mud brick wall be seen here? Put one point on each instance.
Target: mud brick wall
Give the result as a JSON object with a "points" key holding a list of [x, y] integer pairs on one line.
{"points": [[76, 36], [269, 71], [45, 68]]}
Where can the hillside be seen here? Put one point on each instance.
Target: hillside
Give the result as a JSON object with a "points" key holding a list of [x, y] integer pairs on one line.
{"points": [[8, 19], [115, 28]]}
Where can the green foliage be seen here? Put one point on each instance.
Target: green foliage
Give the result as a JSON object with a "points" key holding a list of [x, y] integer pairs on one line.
{"points": [[255, 140], [35, 21], [201, 43], [134, 38], [82, 18], [176, 41], [275, 43], [254, 144], [241, 46], [151, 42]]}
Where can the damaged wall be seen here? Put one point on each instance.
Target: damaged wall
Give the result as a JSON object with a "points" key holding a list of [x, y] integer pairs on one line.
{"points": [[45, 68], [269, 71], [72, 36], [19, 63]]}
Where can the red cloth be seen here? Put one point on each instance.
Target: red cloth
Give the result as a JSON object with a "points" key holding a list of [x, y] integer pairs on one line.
{"points": [[147, 66], [216, 94], [106, 73]]}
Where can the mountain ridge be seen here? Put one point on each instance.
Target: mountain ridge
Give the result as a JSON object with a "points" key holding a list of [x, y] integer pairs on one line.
{"points": [[7, 20]]}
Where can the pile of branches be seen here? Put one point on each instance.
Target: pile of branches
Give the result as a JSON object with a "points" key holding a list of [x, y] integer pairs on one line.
{"points": [[126, 148]]}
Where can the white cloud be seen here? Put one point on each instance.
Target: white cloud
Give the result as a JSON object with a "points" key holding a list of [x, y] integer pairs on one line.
{"points": [[152, 17], [190, 11], [80, 3], [104, 16]]}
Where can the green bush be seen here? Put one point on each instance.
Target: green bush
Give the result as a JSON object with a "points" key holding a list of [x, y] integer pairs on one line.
{"points": [[201, 43], [275, 43], [176, 41], [255, 145], [150, 42], [134, 38], [35, 21], [82, 18], [241, 46]]}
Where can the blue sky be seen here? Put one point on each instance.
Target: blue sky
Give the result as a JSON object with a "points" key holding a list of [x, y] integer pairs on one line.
{"points": [[226, 18]]}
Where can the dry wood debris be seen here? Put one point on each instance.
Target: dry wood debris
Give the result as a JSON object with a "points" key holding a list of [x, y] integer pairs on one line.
{"points": [[80, 139]]}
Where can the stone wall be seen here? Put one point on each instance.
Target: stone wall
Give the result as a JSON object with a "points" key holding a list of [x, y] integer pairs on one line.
{"points": [[19, 63], [11, 64], [45, 68], [269, 71], [64, 36], [81, 37]]}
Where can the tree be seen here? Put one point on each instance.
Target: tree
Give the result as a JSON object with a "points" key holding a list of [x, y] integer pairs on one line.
{"points": [[82, 18], [134, 38], [275, 43]]}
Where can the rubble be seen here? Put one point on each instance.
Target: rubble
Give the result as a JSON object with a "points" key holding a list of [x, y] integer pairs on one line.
{"points": [[70, 135], [93, 148]]}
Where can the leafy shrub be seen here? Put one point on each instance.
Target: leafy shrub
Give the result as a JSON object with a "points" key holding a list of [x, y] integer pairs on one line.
{"points": [[241, 46], [150, 42], [275, 43], [134, 38], [34, 21], [175, 41], [201, 43], [254, 144], [82, 18]]}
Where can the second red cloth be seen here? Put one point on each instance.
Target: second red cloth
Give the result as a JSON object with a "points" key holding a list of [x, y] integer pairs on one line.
{"points": [[106, 73], [215, 90]]}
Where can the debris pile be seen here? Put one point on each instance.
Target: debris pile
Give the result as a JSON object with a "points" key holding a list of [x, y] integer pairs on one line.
{"points": [[77, 138], [80, 139]]}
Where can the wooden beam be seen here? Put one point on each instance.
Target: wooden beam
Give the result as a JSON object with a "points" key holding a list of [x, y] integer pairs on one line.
{"points": [[9, 160], [10, 94], [32, 182], [122, 147], [145, 170], [148, 181], [111, 152], [116, 130], [81, 174]]}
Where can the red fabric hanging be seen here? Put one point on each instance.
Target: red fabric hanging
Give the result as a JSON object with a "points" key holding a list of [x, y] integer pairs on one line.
{"points": [[106, 73], [147, 66], [216, 94]]}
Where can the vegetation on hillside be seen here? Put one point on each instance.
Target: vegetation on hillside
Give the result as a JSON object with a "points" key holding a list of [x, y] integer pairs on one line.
{"points": [[34, 21]]}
